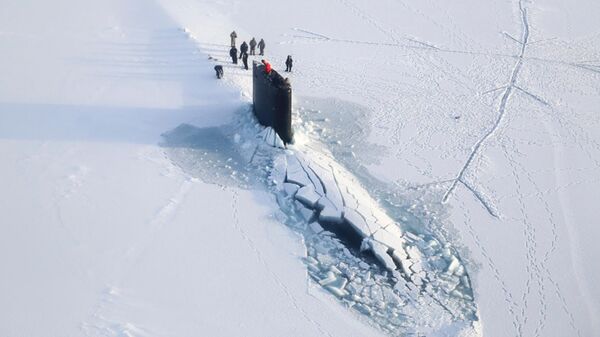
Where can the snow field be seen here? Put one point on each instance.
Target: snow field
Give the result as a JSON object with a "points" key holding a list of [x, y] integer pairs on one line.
{"points": [[488, 106]]}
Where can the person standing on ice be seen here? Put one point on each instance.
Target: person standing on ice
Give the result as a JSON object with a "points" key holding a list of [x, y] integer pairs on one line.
{"points": [[261, 46], [253, 47], [268, 67], [233, 36], [245, 60], [233, 54], [288, 63], [243, 49], [219, 70]]}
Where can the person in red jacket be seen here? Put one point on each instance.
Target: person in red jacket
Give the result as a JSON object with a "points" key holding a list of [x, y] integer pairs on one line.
{"points": [[267, 67]]}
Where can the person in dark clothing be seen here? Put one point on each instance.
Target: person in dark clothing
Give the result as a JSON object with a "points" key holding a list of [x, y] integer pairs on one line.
{"points": [[245, 60], [219, 70], [253, 47], [233, 36], [233, 54], [288, 63], [243, 49], [261, 46]]}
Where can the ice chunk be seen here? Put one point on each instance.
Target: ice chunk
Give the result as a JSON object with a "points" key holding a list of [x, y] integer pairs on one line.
{"points": [[401, 259], [335, 270], [298, 177], [311, 260], [295, 173], [380, 252], [453, 266], [331, 187], [369, 206], [411, 237], [408, 288], [433, 243], [307, 196], [394, 229], [417, 266], [405, 266], [340, 283], [290, 189], [331, 215], [413, 253], [448, 283], [460, 271], [465, 281], [388, 239], [313, 177], [315, 227], [337, 292], [271, 137], [329, 212], [356, 222], [416, 279], [330, 278], [307, 214], [313, 268], [456, 293], [349, 198], [413, 289], [334, 195], [278, 142], [366, 212], [372, 227], [400, 254]]}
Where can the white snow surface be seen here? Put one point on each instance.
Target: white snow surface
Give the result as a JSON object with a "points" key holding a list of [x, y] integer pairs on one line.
{"points": [[472, 127]]}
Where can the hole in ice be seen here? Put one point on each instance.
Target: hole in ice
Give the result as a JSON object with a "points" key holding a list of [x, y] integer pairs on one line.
{"points": [[237, 155], [344, 232], [429, 300]]}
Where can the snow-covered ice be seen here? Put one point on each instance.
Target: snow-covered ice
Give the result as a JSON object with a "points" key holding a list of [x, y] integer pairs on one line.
{"points": [[442, 182]]}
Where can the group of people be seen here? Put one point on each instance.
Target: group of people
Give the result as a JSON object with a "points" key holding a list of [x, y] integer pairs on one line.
{"points": [[233, 52], [261, 44], [249, 49]]}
